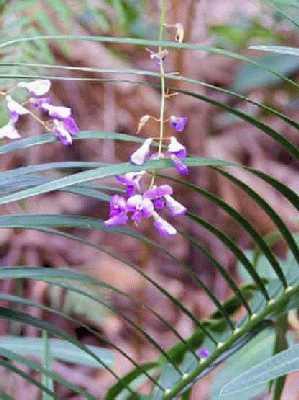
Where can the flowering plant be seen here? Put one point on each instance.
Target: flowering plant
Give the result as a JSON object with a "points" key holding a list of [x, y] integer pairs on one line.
{"points": [[261, 304]]}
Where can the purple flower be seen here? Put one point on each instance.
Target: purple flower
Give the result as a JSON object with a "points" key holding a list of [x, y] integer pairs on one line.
{"points": [[158, 191], [132, 182], [140, 155], [163, 226], [174, 206], [177, 153], [65, 127], [161, 197], [178, 123], [140, 207], [15, 109], [37, 88], [159, 203], [71, 125], [118, 211], [179, 165], [203, 353]]}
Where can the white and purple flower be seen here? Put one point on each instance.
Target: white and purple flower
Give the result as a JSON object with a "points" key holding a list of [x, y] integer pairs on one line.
{"points": [[118, 211], [178, 153], [15, 109], [157, 195], [131, 181], [65, 126], [161, 198], [142, 154], [141, 208], [178, 123]]}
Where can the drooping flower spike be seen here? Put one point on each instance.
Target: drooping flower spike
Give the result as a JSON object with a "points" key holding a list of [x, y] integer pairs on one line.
{"points": [[138, 204]]}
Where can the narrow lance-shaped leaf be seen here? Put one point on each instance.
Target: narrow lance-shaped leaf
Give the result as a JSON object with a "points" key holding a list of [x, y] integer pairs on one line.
{"points": [[281, 364]]}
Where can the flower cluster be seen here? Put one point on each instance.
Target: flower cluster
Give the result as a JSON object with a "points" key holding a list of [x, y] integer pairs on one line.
{"points": [[140, 202], [138, 206], [60, 119]]}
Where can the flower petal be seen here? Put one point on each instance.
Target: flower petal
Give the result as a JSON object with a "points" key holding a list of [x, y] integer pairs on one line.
{"points": [[141, 207], [71, 125], [203, 352], [132, 181], [159, 204], [59, 112], [38, 87], [62, 134], [118, 205], [174, 206], [179, 165], [178, 123], [15, 108], [119, 219], [141, 154], [175, 147], [158, 191], [163, 226]]}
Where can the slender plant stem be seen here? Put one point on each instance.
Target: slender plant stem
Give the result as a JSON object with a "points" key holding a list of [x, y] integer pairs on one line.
{"points": [[162, 75], [163, 8]]}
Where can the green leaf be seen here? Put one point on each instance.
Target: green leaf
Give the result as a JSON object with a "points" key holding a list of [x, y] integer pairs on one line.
{"points": [[9, 366], [132, 379], [104, 172], [10, 355], [257, 350], [47, 361], [251, 77], [293, 51], [169, 376], [12, 315], [279, 365], [59, 350], [26, 143]]}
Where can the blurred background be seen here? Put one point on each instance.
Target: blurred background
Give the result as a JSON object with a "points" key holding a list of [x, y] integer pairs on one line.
{"points": [[211, 132]]}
